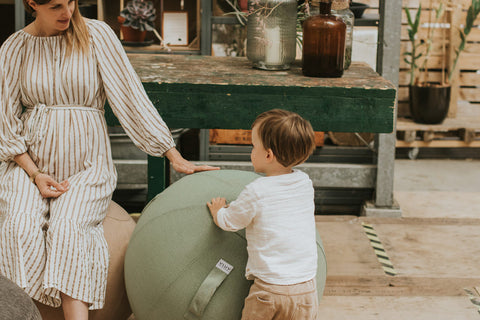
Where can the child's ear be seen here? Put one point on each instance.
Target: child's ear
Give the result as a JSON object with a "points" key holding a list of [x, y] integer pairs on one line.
{"points": [[270, 155]]}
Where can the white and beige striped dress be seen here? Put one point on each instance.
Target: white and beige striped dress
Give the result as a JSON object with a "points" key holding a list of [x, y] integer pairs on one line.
{"points": [[48, 246]]}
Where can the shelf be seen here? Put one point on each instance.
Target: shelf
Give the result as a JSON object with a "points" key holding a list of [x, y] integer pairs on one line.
{"points": [[158, 49], [368, 20], [230, 19]]}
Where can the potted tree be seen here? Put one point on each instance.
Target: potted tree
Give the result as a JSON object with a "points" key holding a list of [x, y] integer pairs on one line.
{"points": [[136, 19], [430, 100]]}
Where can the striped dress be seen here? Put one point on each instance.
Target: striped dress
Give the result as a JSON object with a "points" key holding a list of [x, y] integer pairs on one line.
{"points": [[48, 246]]}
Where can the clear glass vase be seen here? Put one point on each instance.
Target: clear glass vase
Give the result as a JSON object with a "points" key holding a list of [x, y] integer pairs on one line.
{"points": [[341, 9], [271, 33]]}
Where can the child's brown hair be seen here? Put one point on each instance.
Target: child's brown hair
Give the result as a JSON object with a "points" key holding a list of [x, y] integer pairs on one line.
{"points": [[290, 137]]}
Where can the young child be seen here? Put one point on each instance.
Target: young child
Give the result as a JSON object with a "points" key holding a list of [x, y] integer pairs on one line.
{"points": [[278, 213]]}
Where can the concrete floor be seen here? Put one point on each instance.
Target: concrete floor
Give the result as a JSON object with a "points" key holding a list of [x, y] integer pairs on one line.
{"points": [[434, 248]]}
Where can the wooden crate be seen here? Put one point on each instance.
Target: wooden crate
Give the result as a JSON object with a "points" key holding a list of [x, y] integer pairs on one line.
{"points": [[461, 131], [229, 136]]}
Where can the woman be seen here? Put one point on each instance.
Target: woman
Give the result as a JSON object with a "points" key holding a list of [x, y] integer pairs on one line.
{"points": [[56, 171]]}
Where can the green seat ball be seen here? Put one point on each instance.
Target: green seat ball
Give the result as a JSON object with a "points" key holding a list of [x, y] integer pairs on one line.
{"points": [[176, 245]]}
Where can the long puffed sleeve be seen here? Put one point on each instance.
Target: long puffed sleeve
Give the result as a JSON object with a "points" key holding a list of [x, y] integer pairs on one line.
{"points": [[126, 95], [12, 142], [240, 212]]}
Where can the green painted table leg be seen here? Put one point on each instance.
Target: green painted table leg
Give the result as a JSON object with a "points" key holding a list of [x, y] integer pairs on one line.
{"points": [[156, 176]]}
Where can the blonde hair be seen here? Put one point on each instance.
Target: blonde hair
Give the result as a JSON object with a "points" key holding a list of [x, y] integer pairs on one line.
{"points": [[77, 34], [290, 137]]}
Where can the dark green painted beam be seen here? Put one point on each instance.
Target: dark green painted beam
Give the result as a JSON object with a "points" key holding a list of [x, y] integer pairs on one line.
{"points": [[212, 92], [235, 107]]}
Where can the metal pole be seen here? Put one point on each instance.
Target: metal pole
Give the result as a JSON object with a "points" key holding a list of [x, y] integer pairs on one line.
{"points": [[19, 15], [388, 60], [206, 28]]}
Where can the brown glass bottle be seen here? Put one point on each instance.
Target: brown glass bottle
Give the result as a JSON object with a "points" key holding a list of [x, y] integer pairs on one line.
{"points": [[323, 43]]}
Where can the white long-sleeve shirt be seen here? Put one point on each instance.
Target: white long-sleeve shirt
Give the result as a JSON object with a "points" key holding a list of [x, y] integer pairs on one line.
{"points": [[278, 214]]}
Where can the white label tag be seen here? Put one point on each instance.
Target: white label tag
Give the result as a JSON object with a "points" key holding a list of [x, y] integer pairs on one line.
{"points": [[224, 266]]}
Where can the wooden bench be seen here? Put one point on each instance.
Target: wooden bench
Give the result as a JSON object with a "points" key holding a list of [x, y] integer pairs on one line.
{"points": [[222, 92]]}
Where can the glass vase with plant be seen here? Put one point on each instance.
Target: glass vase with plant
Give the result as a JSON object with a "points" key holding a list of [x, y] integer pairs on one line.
{"points": [[274, 28]]}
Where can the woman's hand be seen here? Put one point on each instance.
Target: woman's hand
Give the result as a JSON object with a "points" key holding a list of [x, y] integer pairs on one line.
{"points": [[182, 165], [49, 188]]}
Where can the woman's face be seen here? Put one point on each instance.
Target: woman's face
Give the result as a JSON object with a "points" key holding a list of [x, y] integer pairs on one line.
{"points": [[54, 16]]}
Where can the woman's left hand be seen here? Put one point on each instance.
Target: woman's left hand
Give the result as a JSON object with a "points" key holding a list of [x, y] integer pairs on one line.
{"points": [[182, 165]]}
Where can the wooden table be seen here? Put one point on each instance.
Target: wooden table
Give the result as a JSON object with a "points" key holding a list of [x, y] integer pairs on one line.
{"points": [[224, 92]]}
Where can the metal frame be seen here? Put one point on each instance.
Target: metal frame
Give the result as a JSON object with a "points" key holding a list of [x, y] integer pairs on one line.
{"points": [[388, 60]]}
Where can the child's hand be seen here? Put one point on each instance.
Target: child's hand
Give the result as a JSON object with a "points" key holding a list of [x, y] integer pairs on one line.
{"points": [[215, 205]]}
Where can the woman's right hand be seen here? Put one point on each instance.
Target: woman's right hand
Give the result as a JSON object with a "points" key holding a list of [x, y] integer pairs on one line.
{"points": [[49, 188]]}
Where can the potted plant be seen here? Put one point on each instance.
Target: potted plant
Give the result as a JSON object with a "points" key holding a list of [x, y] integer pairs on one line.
{"points": [[430, 100], [136, 19]]}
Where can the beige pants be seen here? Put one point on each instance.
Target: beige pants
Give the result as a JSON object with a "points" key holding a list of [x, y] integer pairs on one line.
{"points": [[278, 302]]}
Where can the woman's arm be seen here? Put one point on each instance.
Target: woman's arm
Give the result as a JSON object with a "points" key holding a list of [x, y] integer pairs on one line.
{"points": [[131, 104]]}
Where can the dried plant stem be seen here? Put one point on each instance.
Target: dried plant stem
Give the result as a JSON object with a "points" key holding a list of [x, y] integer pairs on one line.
{"points": [[162, 43], [238, 14]]}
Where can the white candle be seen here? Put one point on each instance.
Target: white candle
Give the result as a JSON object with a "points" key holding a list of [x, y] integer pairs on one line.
{"points": [[273, 48]]}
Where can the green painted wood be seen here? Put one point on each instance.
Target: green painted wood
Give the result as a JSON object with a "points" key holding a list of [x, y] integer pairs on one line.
{"points": [[221, 92], [228, 107], [233, 107], [156, 176]]}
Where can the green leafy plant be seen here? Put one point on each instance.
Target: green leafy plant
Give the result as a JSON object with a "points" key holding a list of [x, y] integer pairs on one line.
{"points": [[423, 49], [439, 11], [412, 36], [472, 14], [139, 14]]}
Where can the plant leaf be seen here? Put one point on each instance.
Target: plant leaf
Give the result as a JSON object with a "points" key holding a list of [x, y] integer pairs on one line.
{"points": [[417, 18], [409, 17]]}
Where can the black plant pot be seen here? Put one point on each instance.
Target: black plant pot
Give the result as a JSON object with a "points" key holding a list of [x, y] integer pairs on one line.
{"points": [[429, 104]]}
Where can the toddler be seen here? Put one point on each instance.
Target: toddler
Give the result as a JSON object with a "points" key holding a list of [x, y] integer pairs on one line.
{"points": [[278, 213]]}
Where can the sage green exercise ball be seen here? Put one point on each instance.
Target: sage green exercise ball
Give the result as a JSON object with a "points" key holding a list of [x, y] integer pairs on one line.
{"points": [[176, 246]]}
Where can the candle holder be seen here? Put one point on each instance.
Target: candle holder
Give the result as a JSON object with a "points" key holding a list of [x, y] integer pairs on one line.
{"points": [[271, 33]]}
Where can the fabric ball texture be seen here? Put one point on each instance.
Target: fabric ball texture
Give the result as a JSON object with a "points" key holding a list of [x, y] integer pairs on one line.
{"points": [[118, 227], [176, 246]]}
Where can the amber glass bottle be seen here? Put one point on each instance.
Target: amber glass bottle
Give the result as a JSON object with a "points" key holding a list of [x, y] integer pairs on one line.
{"points": [[323, 42]]}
